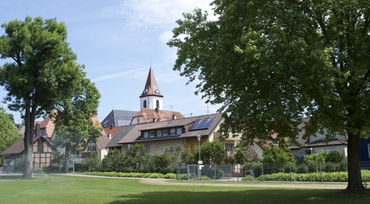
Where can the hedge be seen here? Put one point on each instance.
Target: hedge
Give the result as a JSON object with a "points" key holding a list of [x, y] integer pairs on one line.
{"points": [[324, 176], [133, 174]]}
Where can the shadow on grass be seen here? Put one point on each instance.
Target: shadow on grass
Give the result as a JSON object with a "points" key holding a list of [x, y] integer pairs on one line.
{"points": [[246, 196]]}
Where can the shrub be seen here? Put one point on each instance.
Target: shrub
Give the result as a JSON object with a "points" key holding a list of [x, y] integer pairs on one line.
{"points": [[170, 176], [330, 167], [302, 168], [290, 167], [113, 161], [254, 169], [312, 166], [334, 157], [248, 178]]}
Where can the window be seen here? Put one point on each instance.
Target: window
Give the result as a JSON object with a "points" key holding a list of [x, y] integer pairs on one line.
{"points": [[368, 149], [144, 104], [229, 147], [157, 104], [152, 134], [173, 131], [165, 132], [148, 148], [178, 131], [146, 134], [159, 133], [161, 149], [91, 148]]}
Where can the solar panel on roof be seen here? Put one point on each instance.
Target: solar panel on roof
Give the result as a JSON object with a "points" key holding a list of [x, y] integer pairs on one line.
{"points": [[202, 124]]}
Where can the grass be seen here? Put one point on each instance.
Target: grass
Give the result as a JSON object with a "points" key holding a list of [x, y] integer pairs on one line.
{"points": [[74, 190]]}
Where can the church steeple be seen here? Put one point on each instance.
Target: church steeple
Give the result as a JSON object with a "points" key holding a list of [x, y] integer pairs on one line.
{"points": [[151, 97]]}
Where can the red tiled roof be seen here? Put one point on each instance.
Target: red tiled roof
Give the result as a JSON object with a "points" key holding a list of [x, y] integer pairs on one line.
{"points": [[111, 131], [146, 115], [18, 147], [48, 125]]}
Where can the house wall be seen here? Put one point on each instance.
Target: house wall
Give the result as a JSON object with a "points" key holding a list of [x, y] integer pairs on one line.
{"points": [[160, 146], [42, 154], [300, 153], [340, 148], [102, 154]]}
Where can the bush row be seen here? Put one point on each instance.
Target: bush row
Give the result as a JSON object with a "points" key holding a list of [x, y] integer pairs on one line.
{"points": [[133, 174], [317, 176]]}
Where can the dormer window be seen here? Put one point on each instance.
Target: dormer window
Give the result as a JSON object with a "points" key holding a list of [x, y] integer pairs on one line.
{"points": [[165, 132]]}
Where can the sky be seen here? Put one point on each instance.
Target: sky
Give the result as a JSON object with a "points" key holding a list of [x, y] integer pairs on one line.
{"points": [[118, 41]]}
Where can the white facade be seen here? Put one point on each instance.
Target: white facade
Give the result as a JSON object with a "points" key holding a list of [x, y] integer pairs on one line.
{"points": [[151, 102]]}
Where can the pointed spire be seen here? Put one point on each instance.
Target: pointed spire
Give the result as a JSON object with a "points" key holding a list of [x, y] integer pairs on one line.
{"points": [[151, 87]]}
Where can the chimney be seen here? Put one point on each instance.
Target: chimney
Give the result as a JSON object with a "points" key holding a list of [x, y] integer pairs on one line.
{"points": [[37, 130]]}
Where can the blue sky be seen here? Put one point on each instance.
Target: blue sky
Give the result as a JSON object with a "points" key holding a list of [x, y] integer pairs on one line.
{"points": [[118, 41]]}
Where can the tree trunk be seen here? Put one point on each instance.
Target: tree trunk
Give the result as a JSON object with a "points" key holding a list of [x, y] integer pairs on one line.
{"points": [[28, 138], [66, 158], [354, 170]]}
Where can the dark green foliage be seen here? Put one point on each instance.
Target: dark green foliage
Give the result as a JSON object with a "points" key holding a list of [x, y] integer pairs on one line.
{"points": [[254, 168], [187, 156], [313, 166], [244, 154], [8, 131], [41, 72], [302, 168], [113, 161], [334, 156], [161, 163], [318, 177], [56, 164], [275, 159], [88, 165], [136, 158], [271, 63], [212, 152]]}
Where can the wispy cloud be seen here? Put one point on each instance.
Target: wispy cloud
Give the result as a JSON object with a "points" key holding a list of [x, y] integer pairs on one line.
{"points": [[130, 73], [158, 13]]}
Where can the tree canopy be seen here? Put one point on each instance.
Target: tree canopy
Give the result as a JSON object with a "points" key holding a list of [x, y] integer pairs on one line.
{"points": [[272, 63], [76, 120], [40, 71], [8, 130]]}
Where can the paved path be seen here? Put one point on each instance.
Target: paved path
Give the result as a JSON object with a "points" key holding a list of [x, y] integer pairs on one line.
{"points": [[231, 183], [293, 185]]}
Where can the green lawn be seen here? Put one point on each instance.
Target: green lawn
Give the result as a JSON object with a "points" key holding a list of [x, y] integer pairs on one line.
{"points": [[73, 190]]}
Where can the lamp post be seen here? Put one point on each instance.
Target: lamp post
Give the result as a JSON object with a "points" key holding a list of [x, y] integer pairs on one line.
{"points": [[200, 162]]}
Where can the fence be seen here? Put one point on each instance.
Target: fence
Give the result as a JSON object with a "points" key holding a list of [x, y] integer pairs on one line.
{"points": [[311, 171], [195, 171]]}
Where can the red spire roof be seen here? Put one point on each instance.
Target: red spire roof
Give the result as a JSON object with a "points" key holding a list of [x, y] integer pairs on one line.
{"points": [[151, 87]]}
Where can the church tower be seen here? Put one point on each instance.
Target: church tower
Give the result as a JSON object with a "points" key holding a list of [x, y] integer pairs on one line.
{"points": [[151, 97]]}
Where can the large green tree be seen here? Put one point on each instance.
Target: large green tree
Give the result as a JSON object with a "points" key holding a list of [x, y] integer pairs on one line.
{"points": [[40, 70], [8, 130], [272, 63], [76, 120], [212, 152]]}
